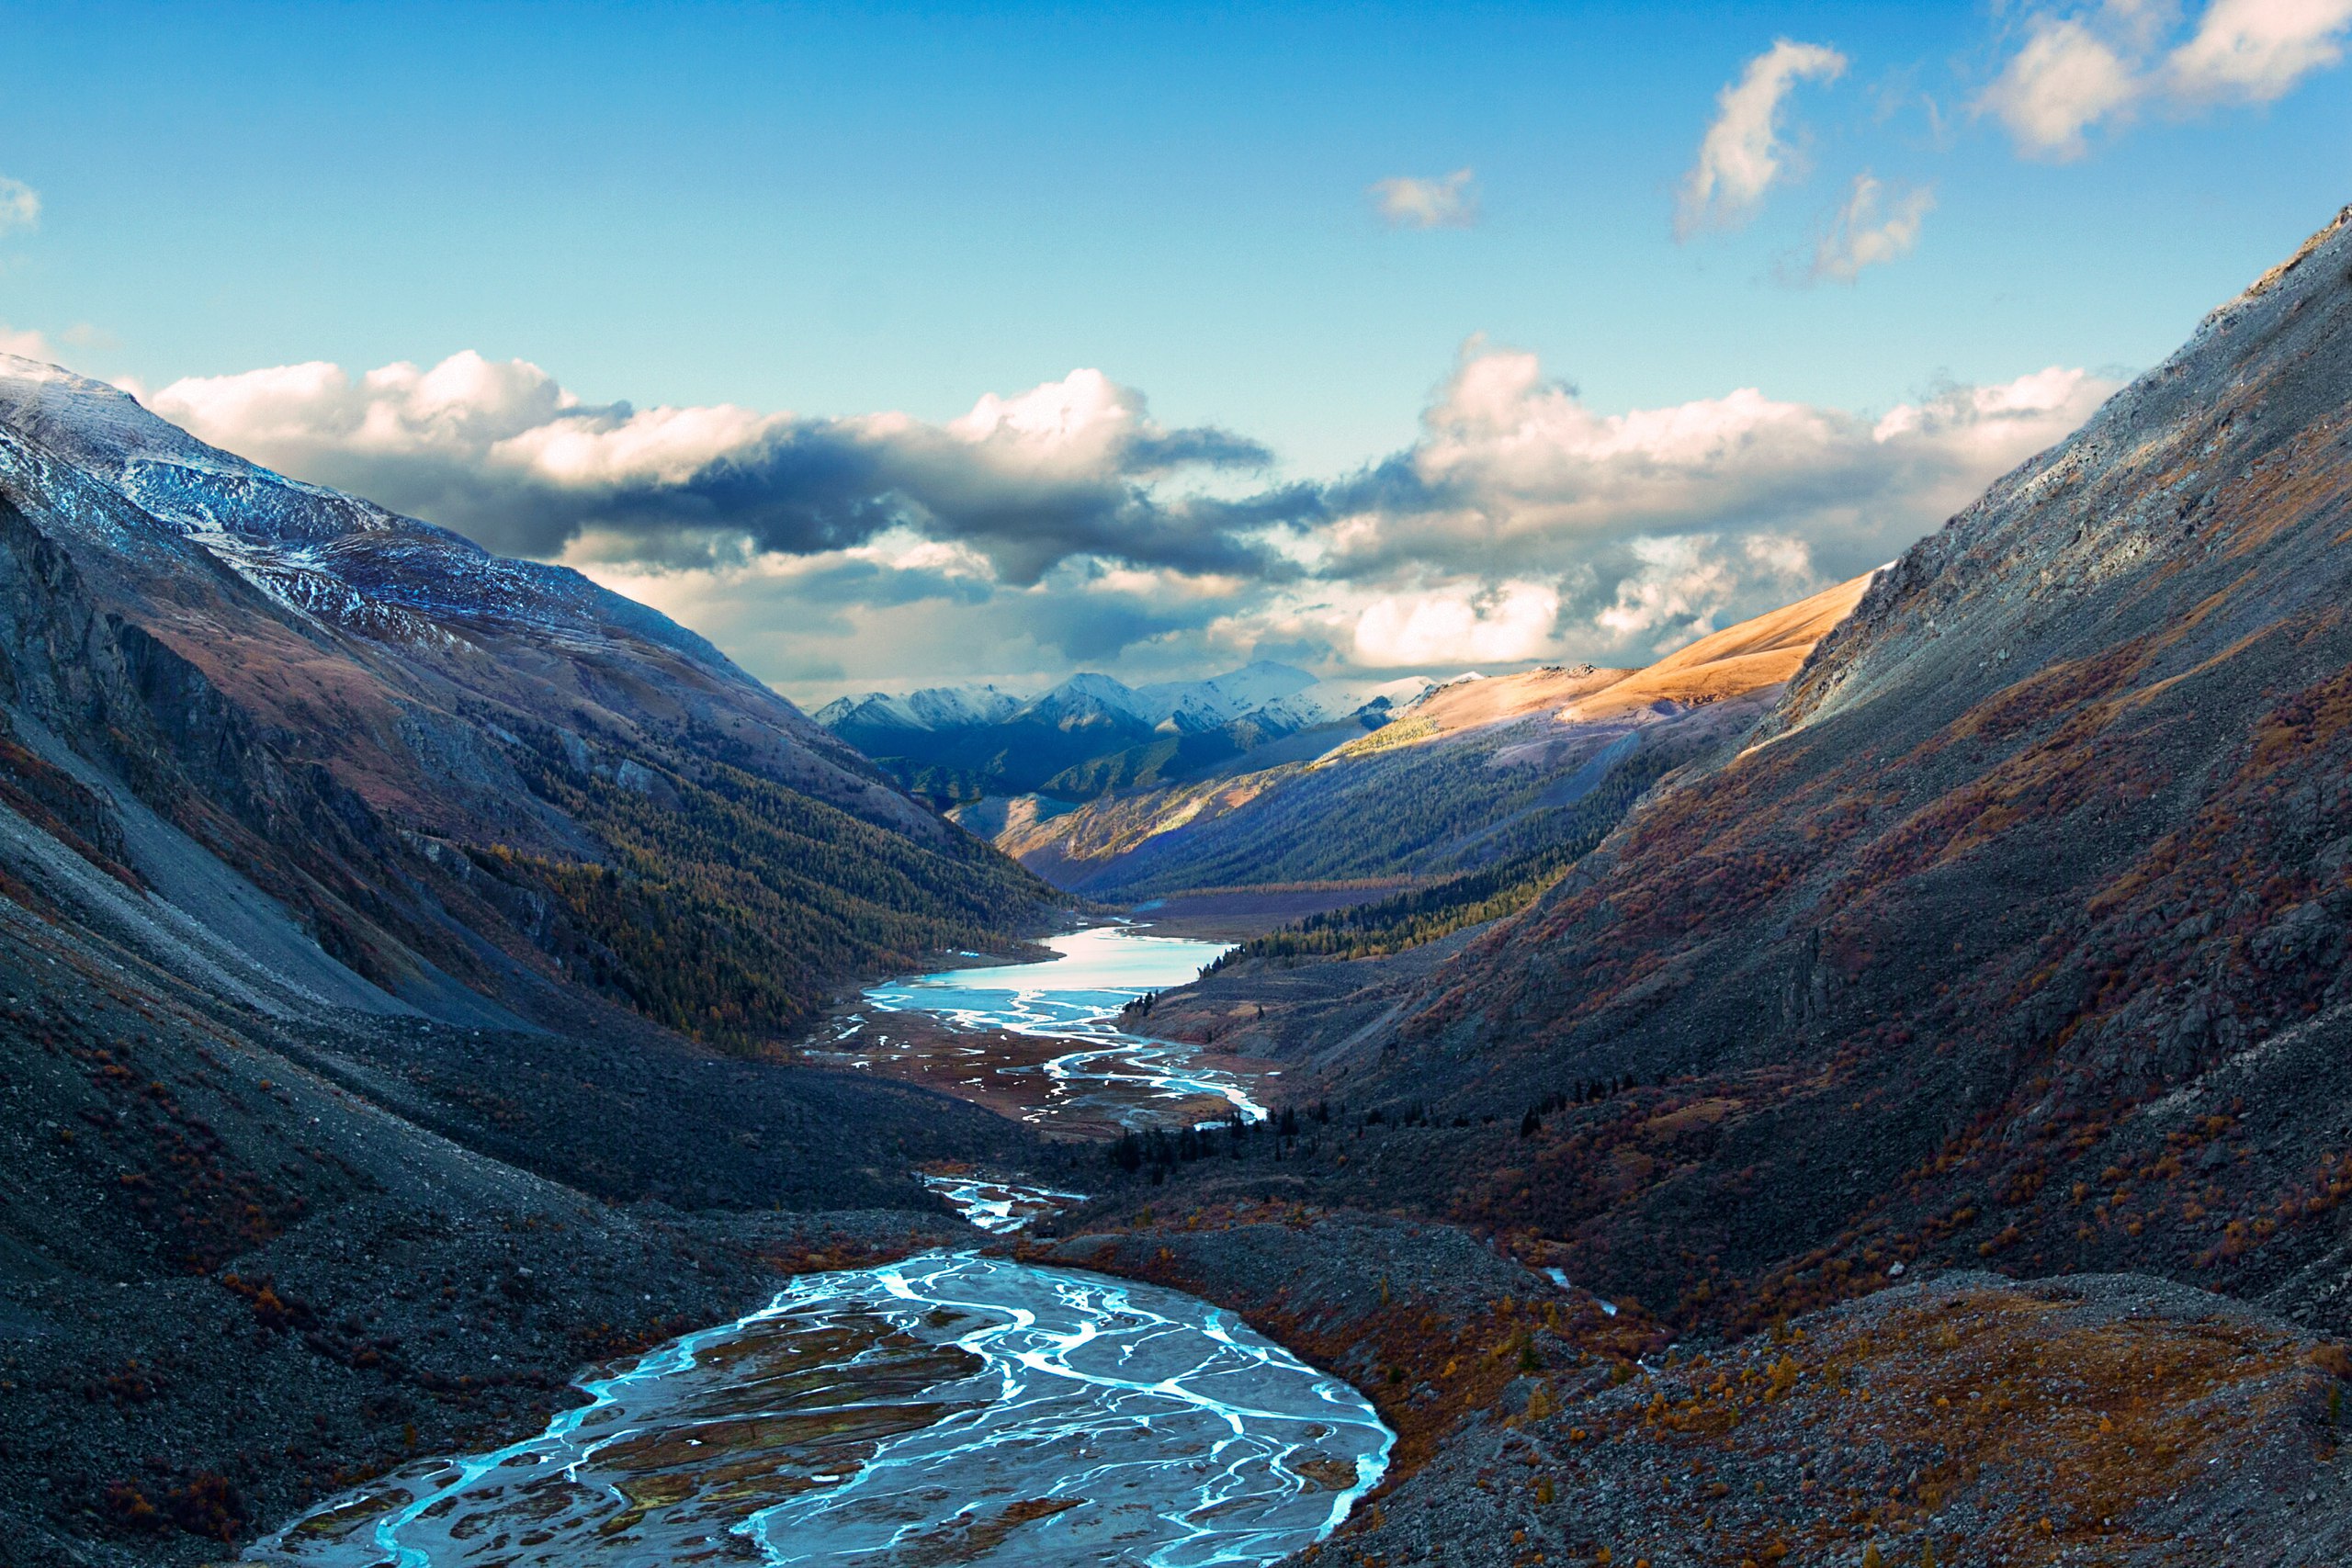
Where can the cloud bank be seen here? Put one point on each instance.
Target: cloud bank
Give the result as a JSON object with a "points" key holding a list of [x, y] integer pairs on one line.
{"points": [[1062, 526], [504, 454]]}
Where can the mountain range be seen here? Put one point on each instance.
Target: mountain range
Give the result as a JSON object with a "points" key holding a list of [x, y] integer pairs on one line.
{"points": [[1092, 734], [374, 909], [1476, 773], [471, 744]]}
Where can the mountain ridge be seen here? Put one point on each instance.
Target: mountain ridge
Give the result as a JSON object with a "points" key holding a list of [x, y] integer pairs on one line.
{"points": [[2014, 934], [499, 736], [1916, 1078], [1091, 733], [397, 985]]}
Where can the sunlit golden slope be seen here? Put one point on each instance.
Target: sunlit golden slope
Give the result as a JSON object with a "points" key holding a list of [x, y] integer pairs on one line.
{"points": [[1482, 700], [1733, 663]]}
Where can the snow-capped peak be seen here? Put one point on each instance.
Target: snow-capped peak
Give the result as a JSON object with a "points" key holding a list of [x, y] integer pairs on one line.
{"points": [[933, 707]]}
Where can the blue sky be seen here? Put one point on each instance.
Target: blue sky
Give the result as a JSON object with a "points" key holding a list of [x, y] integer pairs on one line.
{"points": [[851, 212]]}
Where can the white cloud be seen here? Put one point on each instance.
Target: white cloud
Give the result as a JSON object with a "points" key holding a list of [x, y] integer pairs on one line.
{"points": [[1510, 622], [1405, 202], [2255, 51], [1682, 586], [19, 205], [2065, 79], [2100, 63], [1521, 526], [27, 345], [1741, 154], [1864, 235], [1653, 522]]}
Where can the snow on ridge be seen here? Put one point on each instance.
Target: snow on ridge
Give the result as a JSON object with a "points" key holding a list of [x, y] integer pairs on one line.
{"points": [[392, 576], [1276, 695]]}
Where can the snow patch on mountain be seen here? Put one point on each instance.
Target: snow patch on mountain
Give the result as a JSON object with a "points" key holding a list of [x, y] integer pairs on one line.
{"points": [[933, 707], [327, 555], [1275, 695]]}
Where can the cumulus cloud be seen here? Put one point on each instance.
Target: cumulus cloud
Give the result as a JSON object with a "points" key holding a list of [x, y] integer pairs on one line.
{"points": [[1512, 461], [2102, 63], [1742, 155], [1654, 523], [1866, 233], [1062, 526], [1405, 202], [19, 205], [1680, 584], [504, 453]]}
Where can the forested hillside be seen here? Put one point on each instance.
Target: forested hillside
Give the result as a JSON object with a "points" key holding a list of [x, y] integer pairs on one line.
{"points": [[389, 975], [1561, 837]]}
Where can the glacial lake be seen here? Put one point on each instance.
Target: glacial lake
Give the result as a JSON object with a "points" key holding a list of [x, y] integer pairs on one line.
{"points": [[1048, 1042], [949, 1408]]}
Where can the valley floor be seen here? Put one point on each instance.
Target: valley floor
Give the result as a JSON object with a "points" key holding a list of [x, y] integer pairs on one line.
{"points": [[1006, 1073]]}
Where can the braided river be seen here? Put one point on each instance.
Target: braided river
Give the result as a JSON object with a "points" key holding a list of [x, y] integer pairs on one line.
{"points": [[952, 1407]]}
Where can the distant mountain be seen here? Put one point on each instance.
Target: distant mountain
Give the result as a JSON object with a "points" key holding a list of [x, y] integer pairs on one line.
{"points": [[932, 709], [486, 787], [1480, 773], [1092, 734], [1221, 699]]}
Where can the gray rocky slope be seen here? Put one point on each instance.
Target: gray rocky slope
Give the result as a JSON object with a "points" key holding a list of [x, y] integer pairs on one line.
{"points": [[2020, 929]]}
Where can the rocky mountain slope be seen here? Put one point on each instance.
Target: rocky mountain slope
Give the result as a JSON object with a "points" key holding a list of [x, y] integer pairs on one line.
{"points": [[1924, 1124], [2014, 935], [394, 944]]}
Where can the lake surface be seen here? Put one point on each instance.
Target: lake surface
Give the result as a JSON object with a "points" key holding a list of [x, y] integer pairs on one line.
{"points": [[950, 1408], [1091, 1071]]}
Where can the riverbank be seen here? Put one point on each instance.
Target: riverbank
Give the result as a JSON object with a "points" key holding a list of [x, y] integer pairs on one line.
{"points": [[2106, 1419], [1010, 1074]]}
